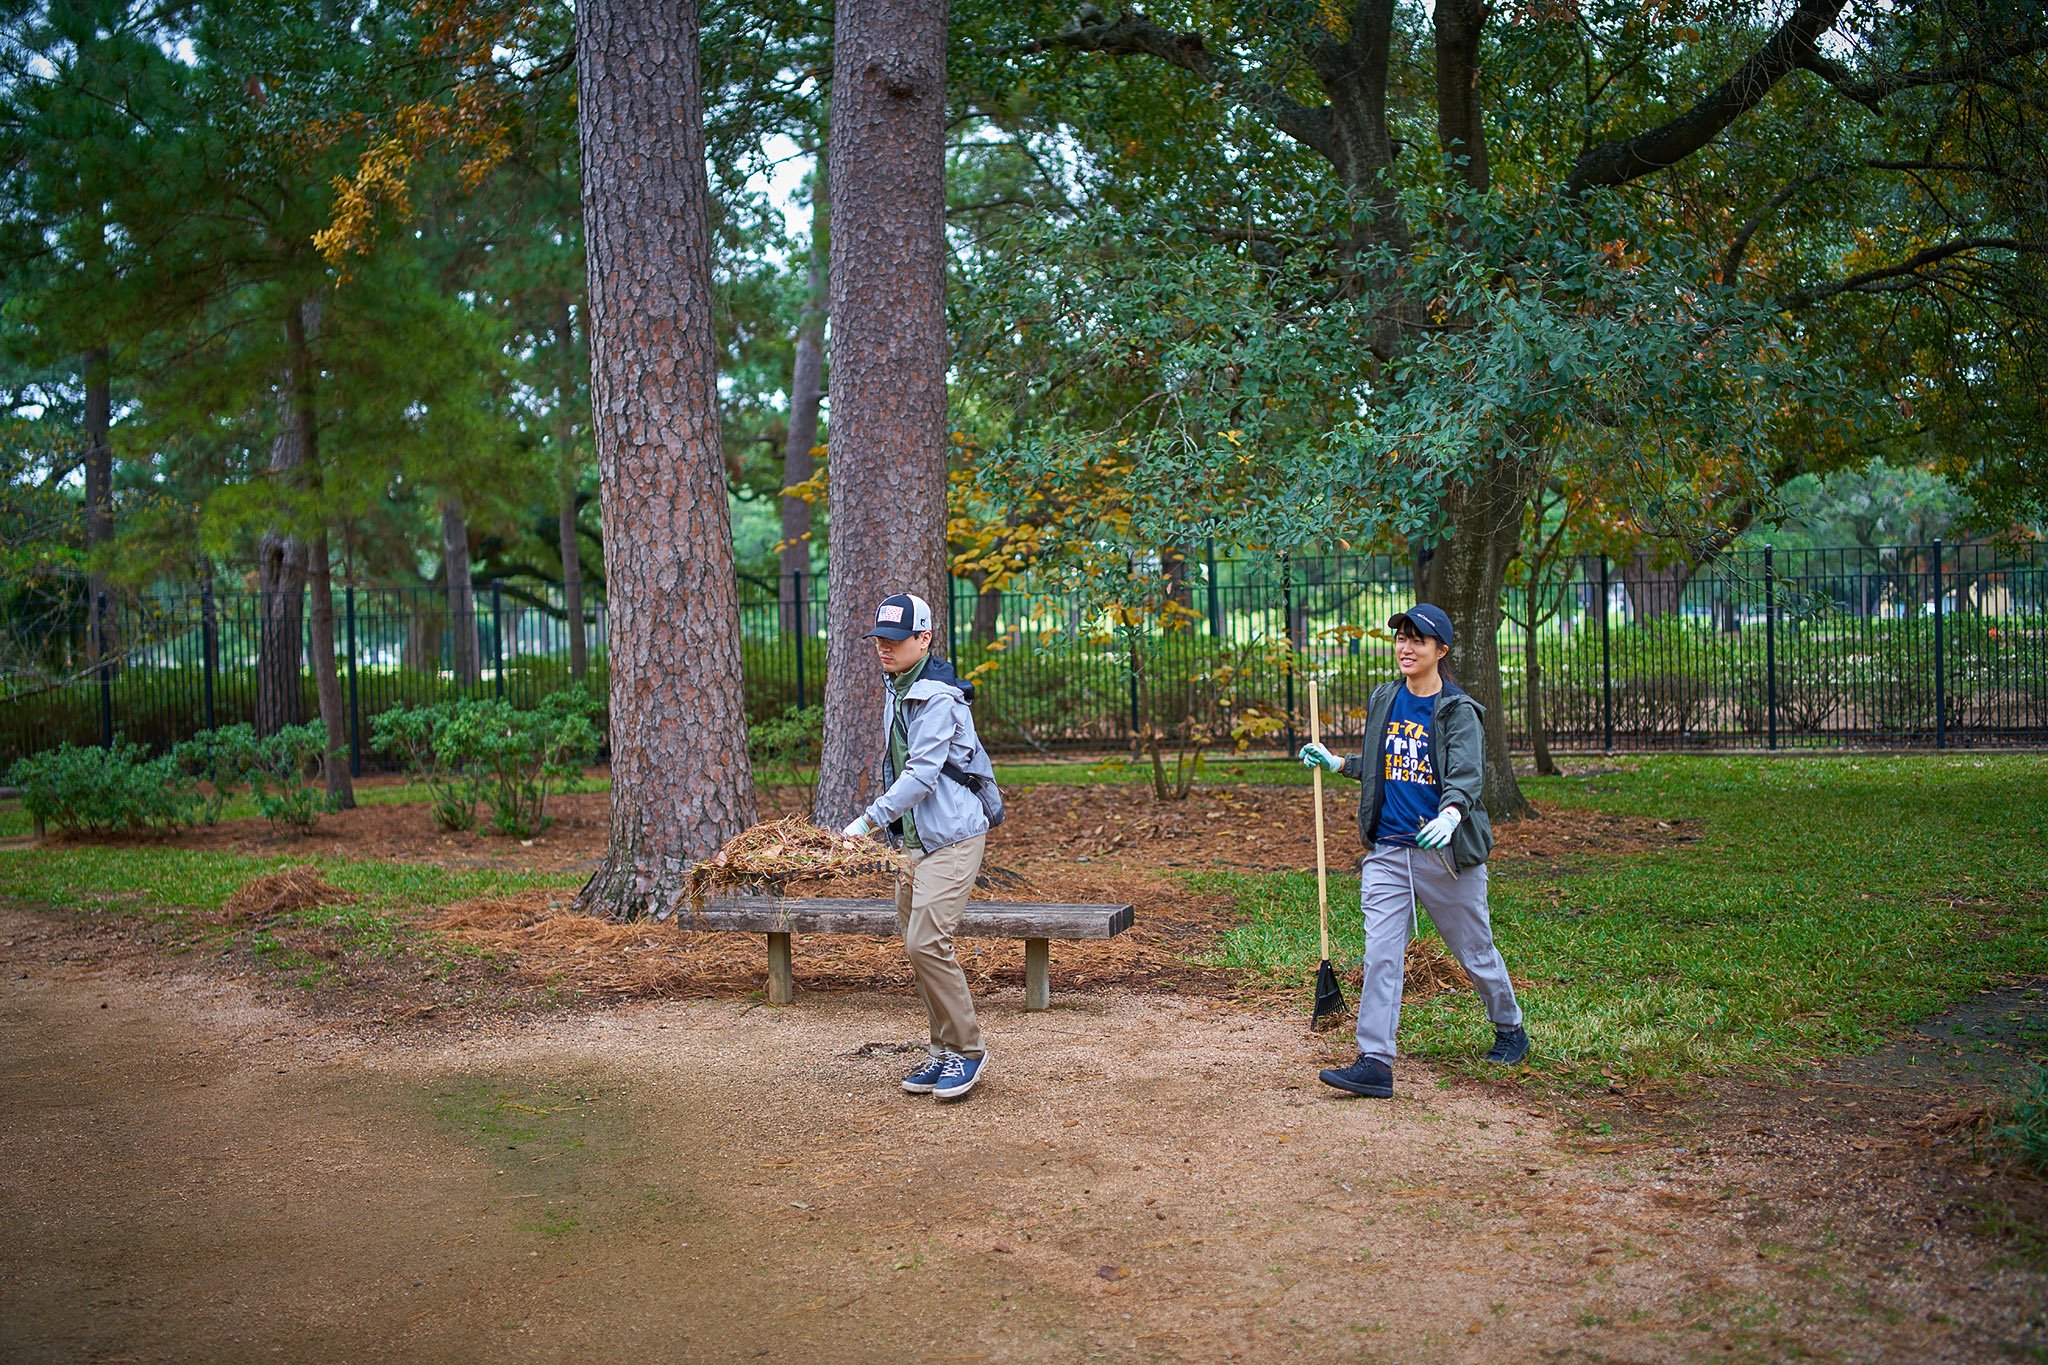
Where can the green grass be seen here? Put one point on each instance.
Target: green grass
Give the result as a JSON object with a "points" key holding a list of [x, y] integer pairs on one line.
{"points": [[1826, 901]]}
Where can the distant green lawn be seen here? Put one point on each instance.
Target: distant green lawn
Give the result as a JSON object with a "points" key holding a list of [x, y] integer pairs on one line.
{"points": [[1826, 901]]}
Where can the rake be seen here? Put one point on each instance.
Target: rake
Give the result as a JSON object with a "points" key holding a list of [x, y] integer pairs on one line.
{"points": [[1329, 1010]]}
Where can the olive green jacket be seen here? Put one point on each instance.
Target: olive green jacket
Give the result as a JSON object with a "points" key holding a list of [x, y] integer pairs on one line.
{"points": [[1457, 752]]}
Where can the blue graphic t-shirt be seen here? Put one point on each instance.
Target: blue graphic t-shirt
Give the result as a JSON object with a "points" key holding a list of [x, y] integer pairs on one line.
{"points": [[1408, 796]]}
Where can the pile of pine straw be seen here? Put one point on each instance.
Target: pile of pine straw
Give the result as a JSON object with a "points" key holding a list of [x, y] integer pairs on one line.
{"points": [[772, 855], [281, 893], [1428, 969]]}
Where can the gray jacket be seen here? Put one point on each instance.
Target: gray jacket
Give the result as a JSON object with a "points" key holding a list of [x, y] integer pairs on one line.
{"points": [[1457, 752], [939, 725]]}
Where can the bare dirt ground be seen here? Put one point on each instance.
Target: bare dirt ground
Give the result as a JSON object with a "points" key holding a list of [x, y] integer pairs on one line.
{"points": [[191, 1172]]}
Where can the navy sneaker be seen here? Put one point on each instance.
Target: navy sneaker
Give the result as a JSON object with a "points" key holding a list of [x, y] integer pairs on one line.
{"points": [[926, 1078], [1366, 1076], [1510, 1045], [959, 1075]]}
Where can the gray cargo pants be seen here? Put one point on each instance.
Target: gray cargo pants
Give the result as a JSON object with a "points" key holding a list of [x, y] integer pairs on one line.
{"points": [[1393, 879]]}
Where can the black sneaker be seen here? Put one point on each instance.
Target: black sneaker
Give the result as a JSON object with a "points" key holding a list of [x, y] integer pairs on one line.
{"points": [[1366, 1076], [1510, 1045]]}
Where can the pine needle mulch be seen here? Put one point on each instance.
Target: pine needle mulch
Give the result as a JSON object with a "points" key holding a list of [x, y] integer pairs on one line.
{"points": [[774, 854], [550, 942], [282, 893]]}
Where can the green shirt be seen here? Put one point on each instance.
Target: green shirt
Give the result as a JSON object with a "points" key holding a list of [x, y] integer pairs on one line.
{"points": [[899, 740]]}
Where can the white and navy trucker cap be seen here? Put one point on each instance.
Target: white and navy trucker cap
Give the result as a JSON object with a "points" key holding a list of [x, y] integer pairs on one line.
{"points": [[901, 616]]}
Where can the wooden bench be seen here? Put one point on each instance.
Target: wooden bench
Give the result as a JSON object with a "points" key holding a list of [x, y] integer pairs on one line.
{"points": [[780, 916]]}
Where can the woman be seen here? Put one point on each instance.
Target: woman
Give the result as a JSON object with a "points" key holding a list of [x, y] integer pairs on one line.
{"points": [[1426, 835]]}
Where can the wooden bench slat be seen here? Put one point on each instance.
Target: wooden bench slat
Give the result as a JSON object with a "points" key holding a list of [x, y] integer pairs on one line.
{"points": [[983, 919]]}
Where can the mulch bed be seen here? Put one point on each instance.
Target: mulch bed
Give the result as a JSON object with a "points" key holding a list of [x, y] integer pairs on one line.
{"points": [[1111, 843]]}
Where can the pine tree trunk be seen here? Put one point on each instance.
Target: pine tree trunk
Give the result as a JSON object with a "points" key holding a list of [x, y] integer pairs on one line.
{"points": [[887, 526], [281, 562], [301, 327], [567, 470], [681, 780], [99, 498], [806, 390], [341, 791], [1465, 575], [465, 657]]}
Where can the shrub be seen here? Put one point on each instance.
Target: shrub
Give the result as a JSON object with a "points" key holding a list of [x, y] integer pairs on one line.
{"points": [[288, 772], [486, 750], [219, 758], [525, 753], [90, 790], [427, 741]]}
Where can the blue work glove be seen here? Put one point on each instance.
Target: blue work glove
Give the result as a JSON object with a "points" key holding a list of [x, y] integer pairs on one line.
{"points": [[859, 827], [1314, 755], [1437, 833]]}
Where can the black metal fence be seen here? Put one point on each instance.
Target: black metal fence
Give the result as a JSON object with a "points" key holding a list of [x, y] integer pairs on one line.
{"points": [[1897, 647]]}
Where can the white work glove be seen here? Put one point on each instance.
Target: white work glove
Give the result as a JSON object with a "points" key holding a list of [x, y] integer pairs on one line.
{"points": [[859, 827], [1315, 755], [1437, 833]]}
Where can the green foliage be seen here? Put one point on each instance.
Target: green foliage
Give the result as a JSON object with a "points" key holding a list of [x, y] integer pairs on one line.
{"points": [[429, 744], [288, 773], [2024, 1130], [90, 790], [220, 759], [792, 739], [487, 750]]}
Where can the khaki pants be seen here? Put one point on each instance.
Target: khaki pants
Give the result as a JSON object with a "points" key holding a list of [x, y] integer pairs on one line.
{"points": [[929, 903]]}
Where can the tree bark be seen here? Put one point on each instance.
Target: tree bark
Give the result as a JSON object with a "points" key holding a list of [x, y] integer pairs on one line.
{"points": [[302, 325], [99, 499], [988, 610], [1465, 576], [806, 391], [281, 560], [567, 468], [465, 658], [887, 527], [341, 791], [1655, 589], [682, 783]]}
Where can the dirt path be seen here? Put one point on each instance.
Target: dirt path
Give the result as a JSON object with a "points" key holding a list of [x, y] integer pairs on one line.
{"points": [[190, 1174]]}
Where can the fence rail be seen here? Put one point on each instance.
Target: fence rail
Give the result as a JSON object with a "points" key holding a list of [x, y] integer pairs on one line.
{"points": [[1931, 645]]}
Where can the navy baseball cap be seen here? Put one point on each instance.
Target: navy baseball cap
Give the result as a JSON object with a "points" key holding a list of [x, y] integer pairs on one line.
{"points": [[900, 617], [1427, 621]]}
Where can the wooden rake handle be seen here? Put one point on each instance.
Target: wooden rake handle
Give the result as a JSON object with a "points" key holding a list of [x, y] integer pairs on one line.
{"points": [[1315, 733]]}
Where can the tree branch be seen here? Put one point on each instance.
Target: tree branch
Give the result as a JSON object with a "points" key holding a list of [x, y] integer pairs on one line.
{"points": [[1874, 91], [1868, 280], [1131, 33], [1616, 163]]}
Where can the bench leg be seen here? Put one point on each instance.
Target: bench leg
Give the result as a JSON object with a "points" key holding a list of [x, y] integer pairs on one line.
{"points": [[1037, 974], [781, 980]]}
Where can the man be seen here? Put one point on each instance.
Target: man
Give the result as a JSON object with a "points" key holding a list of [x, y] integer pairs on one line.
{"points": [[936, 807]]}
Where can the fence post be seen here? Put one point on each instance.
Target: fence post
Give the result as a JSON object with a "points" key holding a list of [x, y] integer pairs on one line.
{"points": [[1287, 631], [498, 638], [1771, 643], [1940, 659], [105, 670], [1215, 600], [1606, 663], [802, 617], [355, 714], [209, 642]]}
